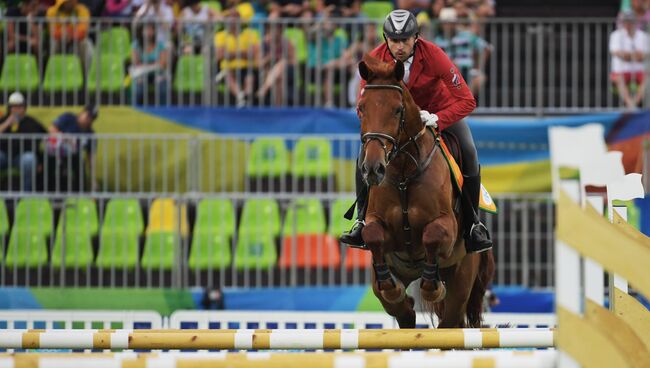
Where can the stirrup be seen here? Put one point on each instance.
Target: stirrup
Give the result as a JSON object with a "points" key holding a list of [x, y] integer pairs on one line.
{"points": [[355, 241], [478, 245]]}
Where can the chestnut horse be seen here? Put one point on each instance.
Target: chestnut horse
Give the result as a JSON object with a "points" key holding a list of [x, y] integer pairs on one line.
{"points": [[413, 219]]}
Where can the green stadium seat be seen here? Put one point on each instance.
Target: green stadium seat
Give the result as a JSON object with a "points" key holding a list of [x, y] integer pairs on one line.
{"points": [[215, 226], [376, 10], [215, 215], [80, 215], [63, 74], [190, 74], [255, 250], [338, 223], [269, 157], [260, 216], [115, 41], [78, 250], [117, 249], [110, 76], [4, 221], [123, 215], [210, 250], [312, 157], [306, 215], [35, 215], [297, 38], [19, 72], [27, 248], [160, 250]]}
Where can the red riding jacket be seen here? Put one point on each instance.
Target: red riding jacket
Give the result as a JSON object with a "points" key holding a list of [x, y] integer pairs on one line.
{"points": [[435, 83]]}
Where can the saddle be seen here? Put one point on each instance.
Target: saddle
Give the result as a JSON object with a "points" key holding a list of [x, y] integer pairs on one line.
{"points": [[450, 149]]}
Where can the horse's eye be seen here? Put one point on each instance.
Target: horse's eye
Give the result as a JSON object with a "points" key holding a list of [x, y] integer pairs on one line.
{"points": [[398, 110], [360, 109]]}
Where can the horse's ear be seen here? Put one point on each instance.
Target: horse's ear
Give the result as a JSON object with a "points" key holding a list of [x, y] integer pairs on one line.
{"points": [[399, 70], [364, 71]]}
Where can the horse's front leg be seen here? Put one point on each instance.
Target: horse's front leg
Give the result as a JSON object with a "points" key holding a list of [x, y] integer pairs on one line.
{"points": [[438, 240], [391, 289]]}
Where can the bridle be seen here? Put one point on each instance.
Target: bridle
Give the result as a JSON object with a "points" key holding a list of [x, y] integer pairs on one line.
{"points": [[396, 149]]}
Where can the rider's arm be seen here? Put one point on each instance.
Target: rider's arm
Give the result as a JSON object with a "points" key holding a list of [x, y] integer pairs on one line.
{"points": [[463, 102]]}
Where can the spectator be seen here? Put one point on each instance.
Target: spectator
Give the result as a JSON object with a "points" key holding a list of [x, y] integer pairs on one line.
{"points": [[290, 9], [19, 151], [278, 59], [73, 156], [237, 49], [121, 8], [23, 34], [194, 25], [629, 48], [365, 41], [69, 28], [159, 13], [324, 47], [338, 8], [468, 51], [149, 64]]}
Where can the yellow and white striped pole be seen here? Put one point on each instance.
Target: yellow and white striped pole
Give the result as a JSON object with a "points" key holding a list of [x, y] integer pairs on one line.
{"points": [[460, 359], [279, 339]]}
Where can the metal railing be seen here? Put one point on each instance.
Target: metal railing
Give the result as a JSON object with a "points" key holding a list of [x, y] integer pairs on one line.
{"points": [[532, 66]]}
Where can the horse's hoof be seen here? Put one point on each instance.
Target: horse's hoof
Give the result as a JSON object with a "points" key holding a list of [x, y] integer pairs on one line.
{"points": [[392, 294], [431, 293]]}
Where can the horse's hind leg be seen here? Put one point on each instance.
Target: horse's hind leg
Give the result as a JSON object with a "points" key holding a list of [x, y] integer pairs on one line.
{"points": [[438, 241], [390, 288], [460, 280]]}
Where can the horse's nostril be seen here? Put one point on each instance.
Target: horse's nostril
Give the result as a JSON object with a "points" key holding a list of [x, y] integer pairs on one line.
{"points": [[381, 170], [364, 168]]}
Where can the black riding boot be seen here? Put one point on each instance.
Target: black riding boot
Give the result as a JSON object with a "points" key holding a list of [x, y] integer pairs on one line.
{"points": [[353, 237], [477, 237]]}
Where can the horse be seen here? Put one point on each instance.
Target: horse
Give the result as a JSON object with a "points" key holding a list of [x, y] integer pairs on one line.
{"points": [[413, 221]]}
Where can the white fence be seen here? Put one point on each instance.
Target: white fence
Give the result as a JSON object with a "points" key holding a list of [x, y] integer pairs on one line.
{"points": [[193, 319], [539, 66], [79, 319], [324, 320]]}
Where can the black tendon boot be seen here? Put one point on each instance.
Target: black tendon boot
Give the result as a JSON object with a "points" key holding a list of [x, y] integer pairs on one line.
{"points": [[477, 237]]}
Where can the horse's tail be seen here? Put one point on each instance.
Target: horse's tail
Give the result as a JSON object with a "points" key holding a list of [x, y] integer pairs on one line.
{"points": [[483, 278]]}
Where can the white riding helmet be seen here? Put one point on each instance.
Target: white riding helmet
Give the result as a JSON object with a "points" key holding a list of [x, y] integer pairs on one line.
{"points": [[400, 25]]}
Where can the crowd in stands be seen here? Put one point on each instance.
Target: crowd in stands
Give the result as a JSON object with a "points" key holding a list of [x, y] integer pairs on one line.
{"points": [[51, 157], [254, 61]]}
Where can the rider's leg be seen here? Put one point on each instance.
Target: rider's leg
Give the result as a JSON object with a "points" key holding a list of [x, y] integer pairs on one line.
{"points": [[477, 237], [353, 237]]}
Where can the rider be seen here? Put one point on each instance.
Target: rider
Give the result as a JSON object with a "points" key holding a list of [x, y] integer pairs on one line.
{"points": [[440, 90]]}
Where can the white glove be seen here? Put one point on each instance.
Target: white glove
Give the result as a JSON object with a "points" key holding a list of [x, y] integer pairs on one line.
{"points": [[429, 119]]}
